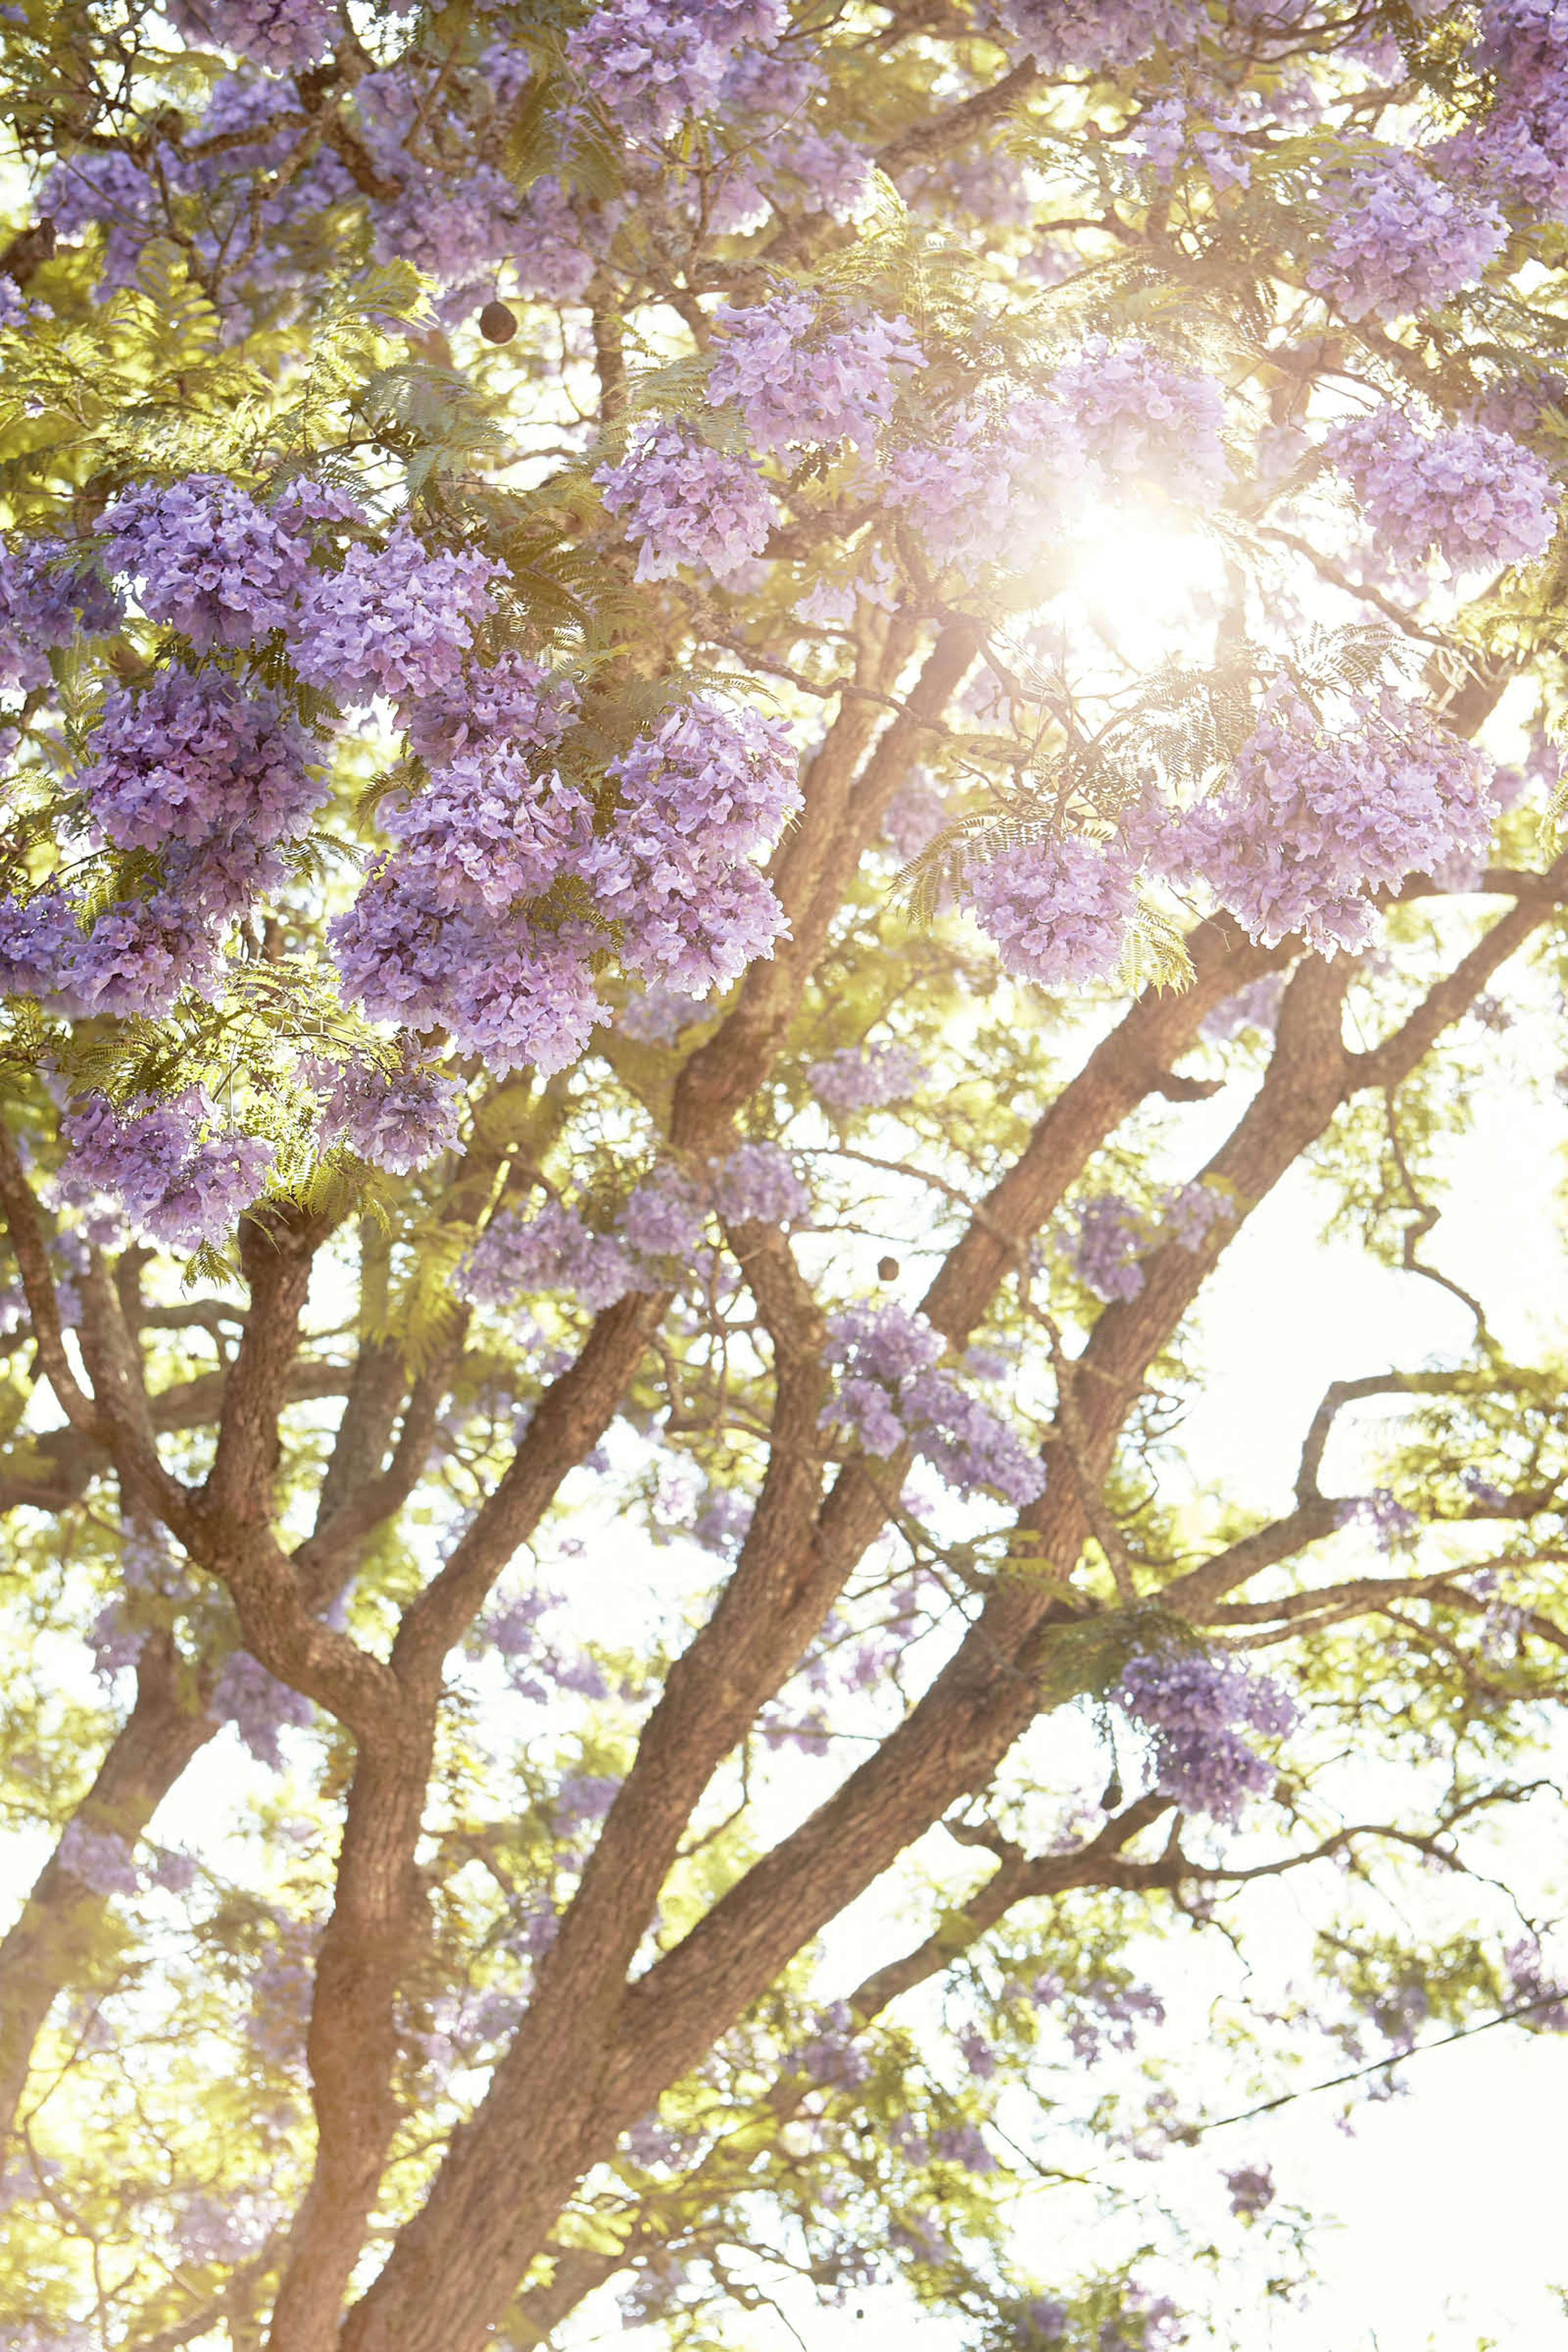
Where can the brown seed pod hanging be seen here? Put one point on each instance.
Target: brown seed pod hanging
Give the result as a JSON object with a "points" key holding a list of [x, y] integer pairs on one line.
{"points": [[497, 323]]}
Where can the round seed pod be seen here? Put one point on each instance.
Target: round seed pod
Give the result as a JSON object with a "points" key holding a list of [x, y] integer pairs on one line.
{"points": [[497, 323]]}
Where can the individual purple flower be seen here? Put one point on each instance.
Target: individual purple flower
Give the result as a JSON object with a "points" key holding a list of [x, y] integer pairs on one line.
{"points": [[1060, 911], [206, 559], [1141, 419], [395, 620], [1398, 240], [1474, 498], [759, 1183], [553, 1250], [798, 381], [190, 759], [1196, 1708], [258, 1705], [400, 1120], [866, 1077], [686, 502]]}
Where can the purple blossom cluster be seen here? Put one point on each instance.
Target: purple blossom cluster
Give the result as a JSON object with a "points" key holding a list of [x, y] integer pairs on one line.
{"points": [[1142, 420], [285, 36], [47, 597], [1060, 911], [552, 1249], [890, 1393], [258, 1705], [698, 796], [1390, 1523], [180, 1179], [759, 1181], [1470, 496], [190, 759], [1079, 33], [1251, 2189], [444, 934], [1255, 1006], [1519, 152], [866, 1077], [1111, 1236], [396, 620], [400, 1120], [663, 1216], [100, 1859], [1195, 1709], [686, 502], [1400, 241], [833, 2055], [652, 63], [797, 381], [1313, 817], [989, 488], [206, 559]]}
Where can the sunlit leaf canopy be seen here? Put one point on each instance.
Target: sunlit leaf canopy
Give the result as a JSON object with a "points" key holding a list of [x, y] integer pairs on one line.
{"points": [[725, 726]]}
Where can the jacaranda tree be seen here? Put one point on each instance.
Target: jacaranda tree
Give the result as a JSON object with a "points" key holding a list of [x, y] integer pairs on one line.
{"points": [[726, 721]]}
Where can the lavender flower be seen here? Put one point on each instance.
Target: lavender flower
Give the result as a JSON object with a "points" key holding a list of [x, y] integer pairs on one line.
{"points": [[258, 1705], [1472, 496], [1142, 420], [1255, 1006], [663, 1217], [100, 1859], [400, 1121], [686, 502], [553, 1250], [1391, 1524], [285, 36], [866, 1077], [206, 559], [650, 63], [1399, 241], [1251, 2189], [971, 1446], [191, 760], [1193, 1705], [1079, 33], [759, 1183], [180, 1191], [833, 2054], [797, 381], [396, 620], [1058, 910], [1111, 1236], [914, 816], [1311, 818]]}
